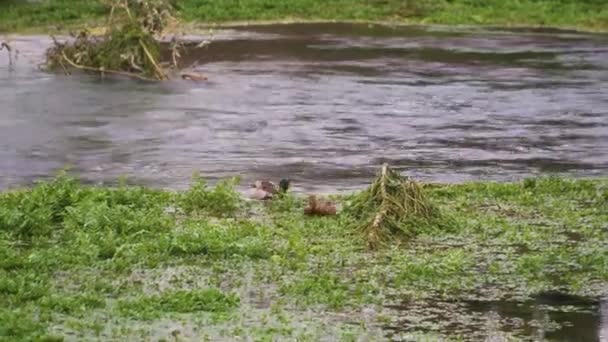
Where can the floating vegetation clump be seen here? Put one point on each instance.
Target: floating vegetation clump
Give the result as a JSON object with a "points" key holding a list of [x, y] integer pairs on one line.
{"points": [[392, 207], [128, 46]]}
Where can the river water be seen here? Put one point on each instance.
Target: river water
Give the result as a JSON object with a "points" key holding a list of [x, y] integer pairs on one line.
{"points": [[323, 104]]}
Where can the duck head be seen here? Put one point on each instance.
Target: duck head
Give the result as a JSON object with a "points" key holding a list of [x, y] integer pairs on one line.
{"points": [[284, 185]]}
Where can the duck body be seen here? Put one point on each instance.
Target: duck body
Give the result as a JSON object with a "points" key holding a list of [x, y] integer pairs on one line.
{"points": [[193, 76], [265, 190], [266, 186], [320, 207], [259, 194]]}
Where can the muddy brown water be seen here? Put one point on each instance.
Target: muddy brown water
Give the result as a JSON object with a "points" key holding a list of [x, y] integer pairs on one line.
{"points": [[324, 104]]}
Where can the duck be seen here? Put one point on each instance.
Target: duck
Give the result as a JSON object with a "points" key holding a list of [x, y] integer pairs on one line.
{"points": [[193, 76], [320, 207], [265, 190]]}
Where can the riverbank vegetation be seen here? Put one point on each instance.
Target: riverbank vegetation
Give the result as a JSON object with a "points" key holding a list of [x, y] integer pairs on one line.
{"points": [[130, 262], [48, 15]]}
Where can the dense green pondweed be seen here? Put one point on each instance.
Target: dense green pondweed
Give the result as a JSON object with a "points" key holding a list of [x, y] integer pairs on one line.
{"points": [[132, 262]]}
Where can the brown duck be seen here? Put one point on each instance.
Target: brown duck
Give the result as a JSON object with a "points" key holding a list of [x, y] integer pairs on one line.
{"points": [[265, 190], [320, 207]]}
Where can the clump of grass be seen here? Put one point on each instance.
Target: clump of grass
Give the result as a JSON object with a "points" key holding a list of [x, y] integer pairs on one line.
{"points": [[36, 213], [108, 230], [443, 271], [206, 300], [221, 201], [72, 305], [318, 289], [222, 240], [286, 203], [19, 325], [416, 8], [129, 46], [391, 207]]}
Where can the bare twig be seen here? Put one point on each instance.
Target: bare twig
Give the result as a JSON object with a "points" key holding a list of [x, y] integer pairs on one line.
{"points": [[159, 72], [102, 71]]}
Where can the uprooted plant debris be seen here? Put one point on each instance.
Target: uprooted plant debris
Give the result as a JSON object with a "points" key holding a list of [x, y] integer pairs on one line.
{"points": [[129, 45], [392, 207]]}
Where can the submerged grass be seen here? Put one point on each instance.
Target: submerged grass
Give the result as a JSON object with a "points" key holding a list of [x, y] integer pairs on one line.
{"points": [[206, 300], [581, 14], [133, 263]]}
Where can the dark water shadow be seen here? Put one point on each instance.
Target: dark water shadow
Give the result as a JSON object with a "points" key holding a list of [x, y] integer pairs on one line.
{"points": [[546, 317]]}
